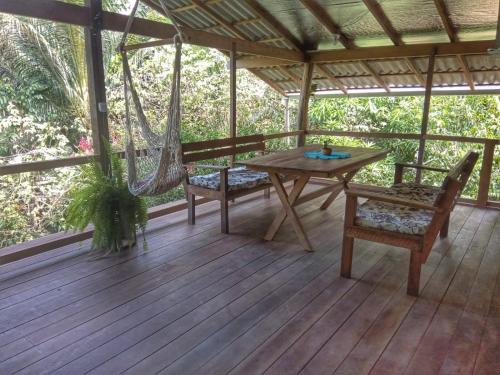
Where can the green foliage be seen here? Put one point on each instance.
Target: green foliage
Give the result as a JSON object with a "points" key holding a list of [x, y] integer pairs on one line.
{"points": [[106, 202], [473, 116]]}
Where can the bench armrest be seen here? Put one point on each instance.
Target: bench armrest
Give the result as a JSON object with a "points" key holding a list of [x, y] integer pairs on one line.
{"points": [[398, 172], [390, 199], [423, 167], [209, 166]]}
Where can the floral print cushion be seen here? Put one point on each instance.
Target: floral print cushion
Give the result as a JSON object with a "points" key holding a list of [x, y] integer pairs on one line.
{"points": [[238, 178], [397, 218]]}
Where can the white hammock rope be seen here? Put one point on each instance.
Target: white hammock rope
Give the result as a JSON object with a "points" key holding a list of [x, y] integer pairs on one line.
{"points": [[158, 168]]}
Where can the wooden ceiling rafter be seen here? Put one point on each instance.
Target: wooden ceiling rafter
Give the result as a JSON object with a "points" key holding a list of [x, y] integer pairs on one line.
{"points": [[284, 70], [220, 20], [324, 19], [331, 77], [384, 21], [452, 35], [267, 80], [274, 24], [253, 71]]}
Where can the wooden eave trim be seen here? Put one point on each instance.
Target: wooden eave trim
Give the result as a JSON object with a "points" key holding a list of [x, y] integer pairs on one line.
{"points": [[408, 50]]}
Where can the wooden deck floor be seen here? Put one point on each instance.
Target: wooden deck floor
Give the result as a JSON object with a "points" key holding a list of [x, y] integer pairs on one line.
{"points": [[205, 303]]}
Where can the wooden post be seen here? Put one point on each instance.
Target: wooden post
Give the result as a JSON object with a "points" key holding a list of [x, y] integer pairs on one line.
{"points": [[286, 101], [96, 84], [485, 176], [305, 94], [232, 95], [425, 114]]}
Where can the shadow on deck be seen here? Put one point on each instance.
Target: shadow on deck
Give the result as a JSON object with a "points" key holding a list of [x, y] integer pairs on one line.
{"points": [[202, 302]]}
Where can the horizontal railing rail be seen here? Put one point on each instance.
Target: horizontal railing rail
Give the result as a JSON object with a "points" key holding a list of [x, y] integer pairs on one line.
{"points": [[489, 145], [44, 165], [57, 240]]}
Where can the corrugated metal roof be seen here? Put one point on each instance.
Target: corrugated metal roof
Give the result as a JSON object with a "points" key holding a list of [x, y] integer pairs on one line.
{"points": [[415, 21]]}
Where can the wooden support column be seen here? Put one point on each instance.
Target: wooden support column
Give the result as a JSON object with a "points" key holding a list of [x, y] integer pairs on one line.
{"points": [[305, 94], [96, 83], [425, 114], [232, 95], [485, 176]]}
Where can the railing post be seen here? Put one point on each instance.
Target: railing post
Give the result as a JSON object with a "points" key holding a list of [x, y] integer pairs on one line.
{"points": [[425, 114], [232, 95], [96, 84], [485, 175], [305, 94]]}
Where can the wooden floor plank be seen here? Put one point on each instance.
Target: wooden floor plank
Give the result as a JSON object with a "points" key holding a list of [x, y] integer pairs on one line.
{"points": [[157, 231], [245, 294], [103, 334], [434, 344], [405, 341], [203, 302], [372, 342], [464, 345], [488, 360], [173, 254]]}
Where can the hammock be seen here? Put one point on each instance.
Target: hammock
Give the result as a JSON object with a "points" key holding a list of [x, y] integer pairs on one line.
{"points": [[157, 167]]}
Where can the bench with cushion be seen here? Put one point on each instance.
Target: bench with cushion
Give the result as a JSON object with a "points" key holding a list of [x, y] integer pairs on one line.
{"points": [[227, 183], [407, 215]]}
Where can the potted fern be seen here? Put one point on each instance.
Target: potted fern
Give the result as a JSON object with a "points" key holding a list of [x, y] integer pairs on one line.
{"points": [[105, 201]]}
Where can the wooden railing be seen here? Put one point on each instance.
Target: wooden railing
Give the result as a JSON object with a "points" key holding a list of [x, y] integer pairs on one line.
{"points": [[489, 146], [54, 241]]}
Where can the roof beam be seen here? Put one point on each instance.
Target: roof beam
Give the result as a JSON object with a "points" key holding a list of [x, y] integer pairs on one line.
{"points": [[59, 11], [322, 16], [331, 77], [220, 20], [249, 62], [50, 10], [270, 82], [413, 50], [445, 18], [452, 34], [283, 70], [378, 13], [160, 30], [466, 71], [272, 22]]}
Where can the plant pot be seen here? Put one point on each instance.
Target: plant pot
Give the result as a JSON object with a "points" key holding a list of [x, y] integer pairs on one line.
{"points": [[326, 151]]}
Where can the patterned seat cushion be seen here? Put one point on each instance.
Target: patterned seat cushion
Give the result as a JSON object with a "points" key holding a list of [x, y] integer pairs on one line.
{"points": [[397, 218], [238, 178]]}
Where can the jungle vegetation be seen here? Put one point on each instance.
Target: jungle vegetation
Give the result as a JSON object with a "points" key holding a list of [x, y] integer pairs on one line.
{"points": [[44, 115]]}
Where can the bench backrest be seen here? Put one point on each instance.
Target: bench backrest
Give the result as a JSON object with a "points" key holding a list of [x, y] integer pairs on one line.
{"points": [[217, 148], [456, 179]]}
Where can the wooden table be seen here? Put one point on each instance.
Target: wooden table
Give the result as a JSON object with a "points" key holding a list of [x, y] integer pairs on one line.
{"points": [[293, 163]]}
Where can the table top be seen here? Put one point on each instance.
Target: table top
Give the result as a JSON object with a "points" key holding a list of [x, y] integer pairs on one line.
{"points": [[293, 162]]}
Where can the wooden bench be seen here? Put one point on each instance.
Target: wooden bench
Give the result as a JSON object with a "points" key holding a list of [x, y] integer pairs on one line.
{"points": [[227, 183], [405, 215]]}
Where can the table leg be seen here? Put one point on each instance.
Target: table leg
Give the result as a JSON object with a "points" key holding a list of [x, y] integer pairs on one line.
{"points": [[288, 211], [345, 180]]}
